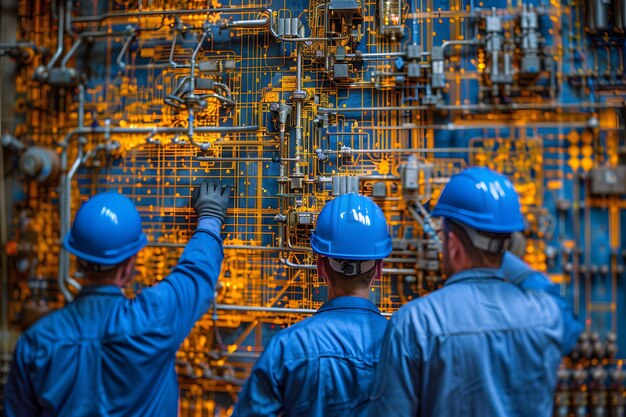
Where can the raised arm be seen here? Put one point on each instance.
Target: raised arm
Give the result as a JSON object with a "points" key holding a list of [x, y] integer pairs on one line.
{"points": [[188, 291], [521, 274]]}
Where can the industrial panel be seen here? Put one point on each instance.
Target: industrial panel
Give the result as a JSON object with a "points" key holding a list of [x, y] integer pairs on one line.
{"points": [[293, 103]]}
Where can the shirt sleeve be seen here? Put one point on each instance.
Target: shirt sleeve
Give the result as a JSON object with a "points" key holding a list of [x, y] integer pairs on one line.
{"points": [[518, 272], [19, 399], [398, 375], [188, 291], [261, 395]]}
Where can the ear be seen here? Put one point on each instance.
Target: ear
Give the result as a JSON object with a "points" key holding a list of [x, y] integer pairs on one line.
{"points": [[379, 270], [456, 252], [125, 272], [321, 268]]}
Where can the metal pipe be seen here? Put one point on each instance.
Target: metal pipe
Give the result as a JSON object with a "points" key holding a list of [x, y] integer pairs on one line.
{"points": [[256, 23], [4, 264], [298, 40], [172, 63], [400, 271], [68, 19], [298, 129], [61, 23], [64, 261], [229, 307], [374, 56], [242, 159], [577, 240], [159, 130], [71, 52], [481, 107], [168, 12], [484, 125], [405, 150], [587, 240], [225, 88], [264, 309], [192, 73], [65, 187], [17, 45], [129, 38], [85, 35], [231, 247], [445, 44]]}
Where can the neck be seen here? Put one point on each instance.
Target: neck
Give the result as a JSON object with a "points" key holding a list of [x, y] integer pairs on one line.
{"points": [[92, 281]]}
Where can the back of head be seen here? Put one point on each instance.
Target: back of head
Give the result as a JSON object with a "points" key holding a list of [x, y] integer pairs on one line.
{"points": [[351, 227], [106, 231], [485, 205], [351, 232]]}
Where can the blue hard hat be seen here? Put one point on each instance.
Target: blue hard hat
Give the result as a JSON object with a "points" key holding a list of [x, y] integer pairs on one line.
{"points": [[106, 230], [481, 199], [351, 226]]}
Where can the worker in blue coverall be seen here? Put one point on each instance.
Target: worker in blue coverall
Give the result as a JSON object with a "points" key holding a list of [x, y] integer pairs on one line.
{"points": [[104, 354], [490, 341], [324, 365]]}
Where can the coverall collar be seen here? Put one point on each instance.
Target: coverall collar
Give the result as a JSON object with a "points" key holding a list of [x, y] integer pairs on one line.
{"points": [[107, 289], [348, 302], [476, 275]]}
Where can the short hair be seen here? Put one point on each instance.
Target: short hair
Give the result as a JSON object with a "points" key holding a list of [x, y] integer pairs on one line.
{"points": [[98, 272], [480, 258], [348, 282]]}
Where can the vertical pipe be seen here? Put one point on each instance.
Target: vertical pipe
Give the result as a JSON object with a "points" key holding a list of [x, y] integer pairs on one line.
{"points": [[614, 239], [587, 237], [61, 23], [8, 17], [192, 86], [65, 196], [298, 109], [576, 253], [3, 240]]}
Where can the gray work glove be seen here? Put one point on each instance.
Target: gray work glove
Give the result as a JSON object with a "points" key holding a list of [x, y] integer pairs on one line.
{"points": [[211, 199]]}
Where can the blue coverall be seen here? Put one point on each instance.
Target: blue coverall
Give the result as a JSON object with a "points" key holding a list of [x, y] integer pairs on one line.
{"points": [[106, 355], [321, 366], [483, 345]]}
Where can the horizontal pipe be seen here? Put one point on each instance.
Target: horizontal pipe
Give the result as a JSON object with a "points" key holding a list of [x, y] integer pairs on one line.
{"points": [[405, 150], [480, 107], [233, 247], [169, 12], [271, 309], [157, 130], [242, 159]]}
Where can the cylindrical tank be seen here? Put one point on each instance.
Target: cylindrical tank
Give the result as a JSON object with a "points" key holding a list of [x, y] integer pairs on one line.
{"points": [[390, 12], [40, 164]]}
